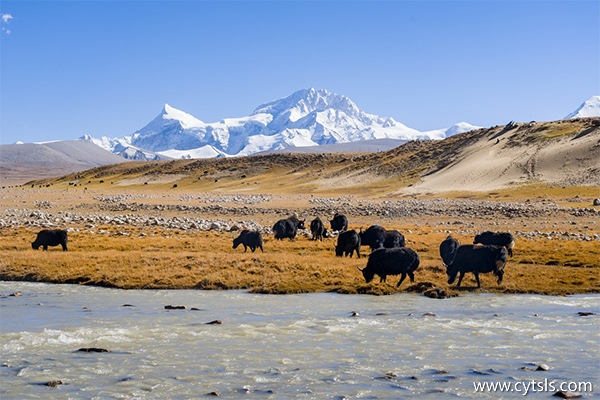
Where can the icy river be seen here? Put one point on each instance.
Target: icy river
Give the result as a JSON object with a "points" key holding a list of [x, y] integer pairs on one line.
{"points": [[308, 346]]}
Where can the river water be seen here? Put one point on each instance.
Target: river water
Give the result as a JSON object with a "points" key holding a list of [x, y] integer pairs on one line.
{"points": [[308, 346]]}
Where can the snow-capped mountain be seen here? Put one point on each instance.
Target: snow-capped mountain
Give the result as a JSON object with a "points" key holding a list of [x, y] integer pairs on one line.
{"points": [[590, 108], [123, 148], [308, 117]]}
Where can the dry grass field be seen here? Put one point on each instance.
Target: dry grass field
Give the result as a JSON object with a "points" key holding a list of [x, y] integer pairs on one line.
{"points": [[552, 255], [149, 224]]}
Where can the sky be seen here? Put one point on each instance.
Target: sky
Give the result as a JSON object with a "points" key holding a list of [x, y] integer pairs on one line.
{"points": [[106, 68]]}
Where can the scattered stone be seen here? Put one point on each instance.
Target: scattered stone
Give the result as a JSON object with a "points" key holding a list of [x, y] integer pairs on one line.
{"points": [[435, 293], [93, 350], [567, 395], [429, 314], [216, 394], [170, 307], [53, 383], [585, 313], [597, 202], [387, 376], [354, 314], [215, 322], [439, 372], [477, 372], [542, 367]]}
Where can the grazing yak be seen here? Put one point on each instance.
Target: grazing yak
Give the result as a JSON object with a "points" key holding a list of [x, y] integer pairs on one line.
{"points": [[395, 261], [448, 249], [377, 236], [48, 237], [252, 239], [287, 228], [317, 229], [476, 259], [496, 238], [348, 242], [339, 222]]}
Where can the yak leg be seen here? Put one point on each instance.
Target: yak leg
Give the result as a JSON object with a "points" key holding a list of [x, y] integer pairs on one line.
{"points": [[45, 247], [402, 277], [412, 276], [460, 277], [477, 279]]}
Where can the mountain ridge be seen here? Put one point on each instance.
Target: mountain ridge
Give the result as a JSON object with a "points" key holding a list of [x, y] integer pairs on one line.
{"points": [[562, 153], [306, 118]]}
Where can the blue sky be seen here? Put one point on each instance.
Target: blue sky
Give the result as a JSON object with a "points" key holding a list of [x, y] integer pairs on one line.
{"points": [[106, 68]]}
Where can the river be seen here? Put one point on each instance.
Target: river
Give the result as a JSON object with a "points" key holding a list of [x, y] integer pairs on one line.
{"points": [[306, 346]]}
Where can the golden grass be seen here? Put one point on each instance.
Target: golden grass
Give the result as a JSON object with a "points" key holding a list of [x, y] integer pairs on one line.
{"points": [[161, 259]]}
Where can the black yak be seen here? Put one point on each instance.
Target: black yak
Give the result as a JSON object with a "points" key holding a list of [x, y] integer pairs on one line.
{"points": [[377, 236], [505, 239], [477, 259], [317, 229], [395, 261], [252, 239], [287, 228], [339, 222], [53, 237], [348, 242]]}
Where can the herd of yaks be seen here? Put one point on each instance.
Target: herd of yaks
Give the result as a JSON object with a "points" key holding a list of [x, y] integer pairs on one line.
{"points": [[389, 254]]}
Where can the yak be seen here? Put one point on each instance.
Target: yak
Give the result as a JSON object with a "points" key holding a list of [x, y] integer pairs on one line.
{"points": [[252, 239], [348, 242], [339, 222], [287, 228], [317, 229], [52, 237], [377, 236], [496, 238], [477, 259], [395, 261]]}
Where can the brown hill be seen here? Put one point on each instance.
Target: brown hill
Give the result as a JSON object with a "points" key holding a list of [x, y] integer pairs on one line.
{"points": [[565, 153], [20, 163]]}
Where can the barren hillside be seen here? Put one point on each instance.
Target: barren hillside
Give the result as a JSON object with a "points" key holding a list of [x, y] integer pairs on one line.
{"points": [[565, 153], [22, 162]]}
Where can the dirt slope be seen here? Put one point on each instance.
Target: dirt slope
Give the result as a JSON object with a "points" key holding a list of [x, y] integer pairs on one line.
{"points": [[565, 153]]}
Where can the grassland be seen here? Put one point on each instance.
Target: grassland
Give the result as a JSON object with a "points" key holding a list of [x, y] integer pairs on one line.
{"points": [[157, 257]]}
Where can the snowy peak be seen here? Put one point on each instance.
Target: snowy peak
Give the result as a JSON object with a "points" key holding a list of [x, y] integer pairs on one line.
{"points": [[590, 108], [306, 118], [186, 120], [304, 102], [169, 117]]}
